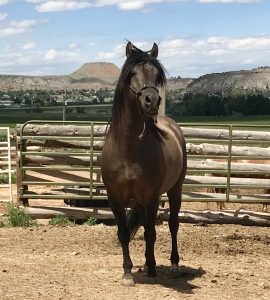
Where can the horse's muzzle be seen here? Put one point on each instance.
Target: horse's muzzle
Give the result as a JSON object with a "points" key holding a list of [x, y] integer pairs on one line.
{"points": [[150, 104]]}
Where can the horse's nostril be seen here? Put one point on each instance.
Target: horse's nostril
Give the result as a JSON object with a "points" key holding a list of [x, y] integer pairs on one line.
{"points": [[148, 100], [147, 106]]}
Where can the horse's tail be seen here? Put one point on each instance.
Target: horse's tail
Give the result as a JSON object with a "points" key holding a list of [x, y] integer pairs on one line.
{"points": [[134, 219]]}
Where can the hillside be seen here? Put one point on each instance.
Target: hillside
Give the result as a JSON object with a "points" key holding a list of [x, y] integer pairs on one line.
{"points": [[236, 82], [104, 75], [100, 72], [88, 76], [178, 83], [18, 82]]}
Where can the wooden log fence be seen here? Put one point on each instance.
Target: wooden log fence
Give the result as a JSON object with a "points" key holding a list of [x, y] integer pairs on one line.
{"points": [[61, 161], [241, 217]]}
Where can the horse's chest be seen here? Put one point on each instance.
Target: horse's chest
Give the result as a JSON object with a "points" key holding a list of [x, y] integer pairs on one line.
{"points": [[128, 172]]}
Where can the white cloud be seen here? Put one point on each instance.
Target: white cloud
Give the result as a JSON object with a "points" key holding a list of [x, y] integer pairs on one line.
{"points": [[51, 54], [117, 53], [2, 2], [2, 17], [229, 1], [195, 57], [37, 62], [130, 4], [44, 6], [73, 46], [56, 55], [91, 44], [15, 27], [61, 5], [29, 46]]}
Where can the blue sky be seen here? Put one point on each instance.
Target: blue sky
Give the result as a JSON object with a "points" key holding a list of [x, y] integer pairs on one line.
{"points": [[195, 37]]}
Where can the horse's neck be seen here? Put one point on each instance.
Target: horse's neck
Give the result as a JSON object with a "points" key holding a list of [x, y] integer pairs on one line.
{"points": [[132, 127], [133, 124]]}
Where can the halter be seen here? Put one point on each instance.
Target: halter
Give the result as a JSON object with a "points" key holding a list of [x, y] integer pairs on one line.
{"points": [[138, 94], [145, 87]]}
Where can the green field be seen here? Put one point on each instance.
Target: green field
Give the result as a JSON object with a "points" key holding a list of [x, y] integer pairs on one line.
{"points": [[11, 117], [240, 120]]}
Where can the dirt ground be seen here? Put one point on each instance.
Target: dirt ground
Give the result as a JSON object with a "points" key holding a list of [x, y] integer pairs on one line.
{"points": [[85, 262]]}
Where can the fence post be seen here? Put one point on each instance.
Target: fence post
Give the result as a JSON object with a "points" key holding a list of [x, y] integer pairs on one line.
{"points": [[229, 164], [65, 111], [91, 159]]}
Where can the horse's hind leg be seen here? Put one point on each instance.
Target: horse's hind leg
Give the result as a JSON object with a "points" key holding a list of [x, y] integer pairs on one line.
{"points": [[175, 197], [124, 238]]}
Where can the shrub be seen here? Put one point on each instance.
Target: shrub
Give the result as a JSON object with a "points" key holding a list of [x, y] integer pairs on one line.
{"points": [[18, 217]]}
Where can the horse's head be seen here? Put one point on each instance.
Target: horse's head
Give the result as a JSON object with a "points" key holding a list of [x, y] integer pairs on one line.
{"points": [[146, 78]]}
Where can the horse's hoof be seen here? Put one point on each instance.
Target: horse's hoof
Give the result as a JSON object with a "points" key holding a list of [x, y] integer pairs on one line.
{"points": [[175, 271], [145, 269], [127, 280], [152, 273]]}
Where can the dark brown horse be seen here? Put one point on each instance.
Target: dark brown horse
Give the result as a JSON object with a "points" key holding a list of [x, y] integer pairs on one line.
{"points": [[144, 156]]}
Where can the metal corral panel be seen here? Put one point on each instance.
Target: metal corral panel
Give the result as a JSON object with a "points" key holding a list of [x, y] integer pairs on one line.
{"points": [[226, 163]]}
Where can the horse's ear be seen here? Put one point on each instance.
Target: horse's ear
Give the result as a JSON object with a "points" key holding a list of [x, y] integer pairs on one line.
{"points": [[154, 51], [129, 49]]}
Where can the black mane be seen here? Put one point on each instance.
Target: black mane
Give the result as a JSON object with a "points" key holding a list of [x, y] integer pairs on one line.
{"points": [[137, 57]]}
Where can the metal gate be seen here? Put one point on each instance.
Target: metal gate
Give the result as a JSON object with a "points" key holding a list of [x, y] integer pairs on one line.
{"points": [[5, 166]]}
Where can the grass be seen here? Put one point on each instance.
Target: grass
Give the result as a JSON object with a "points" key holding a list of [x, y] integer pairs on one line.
{"points": [[11, 117], [239, 120], [2, 223], [91, 221], [17, 217], [63, 221], [60, 221], [4, 178]]}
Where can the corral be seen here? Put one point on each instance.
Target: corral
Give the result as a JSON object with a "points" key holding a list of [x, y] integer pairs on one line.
{"points": [[57, 161]]}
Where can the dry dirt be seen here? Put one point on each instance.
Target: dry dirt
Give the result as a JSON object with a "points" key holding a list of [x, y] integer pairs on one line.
{"points": [[83, 262]]}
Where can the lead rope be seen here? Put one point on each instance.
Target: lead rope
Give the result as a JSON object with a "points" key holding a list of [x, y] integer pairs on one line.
{"points": [[143, 132]]}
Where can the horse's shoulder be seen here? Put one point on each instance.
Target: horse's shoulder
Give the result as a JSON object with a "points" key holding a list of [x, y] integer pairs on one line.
{"points": [[169, 125]]}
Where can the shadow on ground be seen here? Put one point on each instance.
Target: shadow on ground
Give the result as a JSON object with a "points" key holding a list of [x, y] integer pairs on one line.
{"points": [[180, 282]]}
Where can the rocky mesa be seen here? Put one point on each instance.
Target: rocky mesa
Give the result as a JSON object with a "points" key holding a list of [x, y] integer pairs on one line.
{"points": [[236, 82]]}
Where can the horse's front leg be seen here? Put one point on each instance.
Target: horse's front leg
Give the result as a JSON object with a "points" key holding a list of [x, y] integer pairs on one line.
{"points": [[175, 197], [150, 237], [124, 238]]}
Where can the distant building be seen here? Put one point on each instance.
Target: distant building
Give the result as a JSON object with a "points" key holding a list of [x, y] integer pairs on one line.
{"points": [[5, 103]]}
